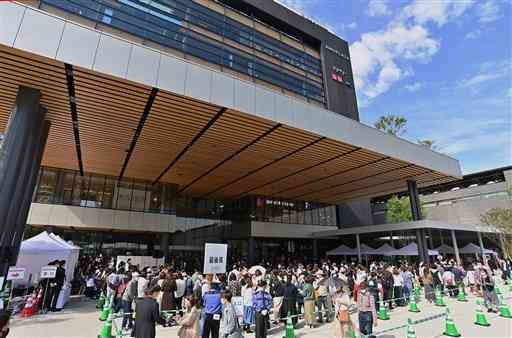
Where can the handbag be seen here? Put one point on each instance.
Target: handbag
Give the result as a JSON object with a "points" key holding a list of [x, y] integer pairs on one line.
{"points": [[343, 316]]}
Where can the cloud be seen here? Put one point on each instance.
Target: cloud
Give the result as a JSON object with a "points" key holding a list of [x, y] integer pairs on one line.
{"points": [[488, 12], [378, 8], [473, 35], [488, 72], [383, 57], [414, 87]]}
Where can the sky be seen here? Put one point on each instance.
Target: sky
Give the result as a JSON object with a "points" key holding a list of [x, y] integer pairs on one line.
{"points": [[445, 65]]}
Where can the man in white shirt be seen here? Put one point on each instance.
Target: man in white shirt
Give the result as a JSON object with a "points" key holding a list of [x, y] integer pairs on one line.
{"points": [[142, 284]]}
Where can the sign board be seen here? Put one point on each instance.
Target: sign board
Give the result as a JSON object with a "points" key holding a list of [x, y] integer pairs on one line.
{"points": [[215, 256], [238, 304], [16, 273], [48, 271]]}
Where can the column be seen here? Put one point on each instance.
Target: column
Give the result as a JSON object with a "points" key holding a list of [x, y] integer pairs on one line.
{"points": [[425, 245], [20, 156], [430, 239], [503, 245], [315, 250], [455, 247], [358, 244], [414, 199], [164, 245], [419, 242], [481, 243], [251, 254], [391, 241]]}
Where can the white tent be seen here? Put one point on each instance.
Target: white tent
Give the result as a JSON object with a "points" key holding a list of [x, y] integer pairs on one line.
{"points": [[384, 249], [39, 250], [474, 249], [445, 249], [412, 250], [366, 250], [342, 250]]}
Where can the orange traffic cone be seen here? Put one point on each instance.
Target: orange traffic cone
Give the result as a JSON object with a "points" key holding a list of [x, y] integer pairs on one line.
{"points": [[28, 310]]}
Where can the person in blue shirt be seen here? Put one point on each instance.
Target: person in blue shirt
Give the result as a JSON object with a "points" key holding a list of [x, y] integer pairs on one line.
{"points": [[212, 310], [262, 303]]}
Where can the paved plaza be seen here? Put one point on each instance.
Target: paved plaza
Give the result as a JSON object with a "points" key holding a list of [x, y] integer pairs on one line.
{"points": [[80, 319]]}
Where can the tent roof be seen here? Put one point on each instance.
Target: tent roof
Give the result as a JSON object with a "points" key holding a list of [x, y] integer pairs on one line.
{"points": [[472, 248], [43, 243], [342, 250], [412, 250], [384, 249], [366, 250], [63, 242], [445, 249]]}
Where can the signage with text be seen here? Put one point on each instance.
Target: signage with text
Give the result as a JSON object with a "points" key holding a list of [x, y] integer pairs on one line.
{"points": [[48, 271], [215, 256], [16, 273]]}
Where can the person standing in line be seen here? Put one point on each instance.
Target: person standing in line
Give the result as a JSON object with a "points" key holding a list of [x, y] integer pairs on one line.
{"points": [[428, 281], [276, 290], [229, 327], [367, 310], [142, 284], [247, 294], [408, 278], [180, 292], [342, 319], [212, 311], [262, 303], [289, 307], [321, 287], [129, 295], [190, 321], [60, 277], [308, 293], [147, 314], [398, 286]]}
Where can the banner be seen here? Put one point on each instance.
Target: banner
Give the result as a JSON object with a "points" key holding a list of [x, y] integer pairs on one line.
{"points": [[16, 273], [215, 258], [48, 271]]}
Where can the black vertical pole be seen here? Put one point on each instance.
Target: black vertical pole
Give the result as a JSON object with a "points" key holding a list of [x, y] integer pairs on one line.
{"points": [[414, 199]]}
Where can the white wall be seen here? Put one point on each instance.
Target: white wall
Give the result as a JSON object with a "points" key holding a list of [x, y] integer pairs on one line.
{"points": [[281, 230]]}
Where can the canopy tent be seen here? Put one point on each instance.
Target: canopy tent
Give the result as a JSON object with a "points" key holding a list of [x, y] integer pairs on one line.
{"points": [[412, 250], [342, 250], [366, 250], [385, 249], [40, 250], [475, 249], [445, 249]]}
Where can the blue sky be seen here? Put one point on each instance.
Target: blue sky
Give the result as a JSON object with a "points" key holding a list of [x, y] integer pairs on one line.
{"points": [[444, 65]]}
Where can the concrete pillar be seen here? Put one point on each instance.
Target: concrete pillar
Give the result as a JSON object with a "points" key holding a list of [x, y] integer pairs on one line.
{"points": [[419, 242], [358, 243], [455, 247], [391, 241], [430, 239], [164, 245], [20, 156], [251, 254], [425, 246], [503, 245], [315, 250], [481, 243]]}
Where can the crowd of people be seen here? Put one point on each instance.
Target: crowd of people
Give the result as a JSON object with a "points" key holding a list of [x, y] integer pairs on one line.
{"points": [[271, 293]]}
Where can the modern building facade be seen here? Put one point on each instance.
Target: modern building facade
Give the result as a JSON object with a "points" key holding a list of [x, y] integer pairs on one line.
{"points": [[171, 123]]}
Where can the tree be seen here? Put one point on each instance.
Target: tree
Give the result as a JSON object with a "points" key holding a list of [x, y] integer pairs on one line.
{"points": [[501, 218], [391, 124], [399, 210], [428, 143]]}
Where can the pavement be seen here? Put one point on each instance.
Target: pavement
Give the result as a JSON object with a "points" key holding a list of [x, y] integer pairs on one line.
{"points": [[80, 319]]}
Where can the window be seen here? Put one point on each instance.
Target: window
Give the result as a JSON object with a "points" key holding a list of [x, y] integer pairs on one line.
{"points": [[95, 194], [138, 197], [47, 186], [107, 16], [80, 190], [123, 194]]}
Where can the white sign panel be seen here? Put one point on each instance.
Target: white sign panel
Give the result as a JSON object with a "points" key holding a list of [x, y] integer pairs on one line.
{"points": [[215, 258], [16, 273], [48, 271], [238, 304]]}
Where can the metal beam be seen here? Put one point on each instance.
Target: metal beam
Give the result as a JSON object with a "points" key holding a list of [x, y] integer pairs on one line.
{"points": [[191, 143], [138, 131], [252, 172], [218, 165], [74, 114], [299, 171]]}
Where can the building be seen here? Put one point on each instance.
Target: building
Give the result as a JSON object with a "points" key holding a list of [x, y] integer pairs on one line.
{"points": [[452, 217], [148, 126]]}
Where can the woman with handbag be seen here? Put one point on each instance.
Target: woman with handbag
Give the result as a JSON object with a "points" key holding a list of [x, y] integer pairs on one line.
{"points": [[190, 320], [343, 324], [229, 326]]}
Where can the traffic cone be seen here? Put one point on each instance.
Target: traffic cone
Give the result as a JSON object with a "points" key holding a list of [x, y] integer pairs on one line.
{"points": [[480, 316], [351, 333], [106, 311], [504, 310], [417, 293], [439, 298], [410, 329], [289, 333], [498, 291], [450, 329], [106, 331], [413, 307], [461, 297], [383, 313], [101, 301]]}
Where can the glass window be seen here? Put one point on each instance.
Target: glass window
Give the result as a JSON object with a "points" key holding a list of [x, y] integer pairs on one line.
{"points": [[80, 190], [95, 194], [154, 198], [67, 189], [108, 193], [47, 186], [138, 197], [123, 194]]}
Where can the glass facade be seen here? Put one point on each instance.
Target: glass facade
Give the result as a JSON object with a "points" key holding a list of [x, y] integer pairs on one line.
{"points": [[167, 22], [60, 186]]}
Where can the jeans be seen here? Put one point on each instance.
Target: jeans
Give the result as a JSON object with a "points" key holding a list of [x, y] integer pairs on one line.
{"points": [[127, 315], [407, 293], [322, 303], [211, 326], [366, 323]]}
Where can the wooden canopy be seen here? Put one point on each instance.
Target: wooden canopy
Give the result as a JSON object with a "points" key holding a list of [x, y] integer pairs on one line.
{"points": [[132, 130]]}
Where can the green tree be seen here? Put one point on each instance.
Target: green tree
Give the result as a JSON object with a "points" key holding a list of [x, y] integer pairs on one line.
{"points": [[501, 218], [399, 210], [391, 124]]}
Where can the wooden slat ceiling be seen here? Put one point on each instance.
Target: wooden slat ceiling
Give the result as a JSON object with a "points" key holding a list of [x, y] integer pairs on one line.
{"points": [[234, 154]]}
